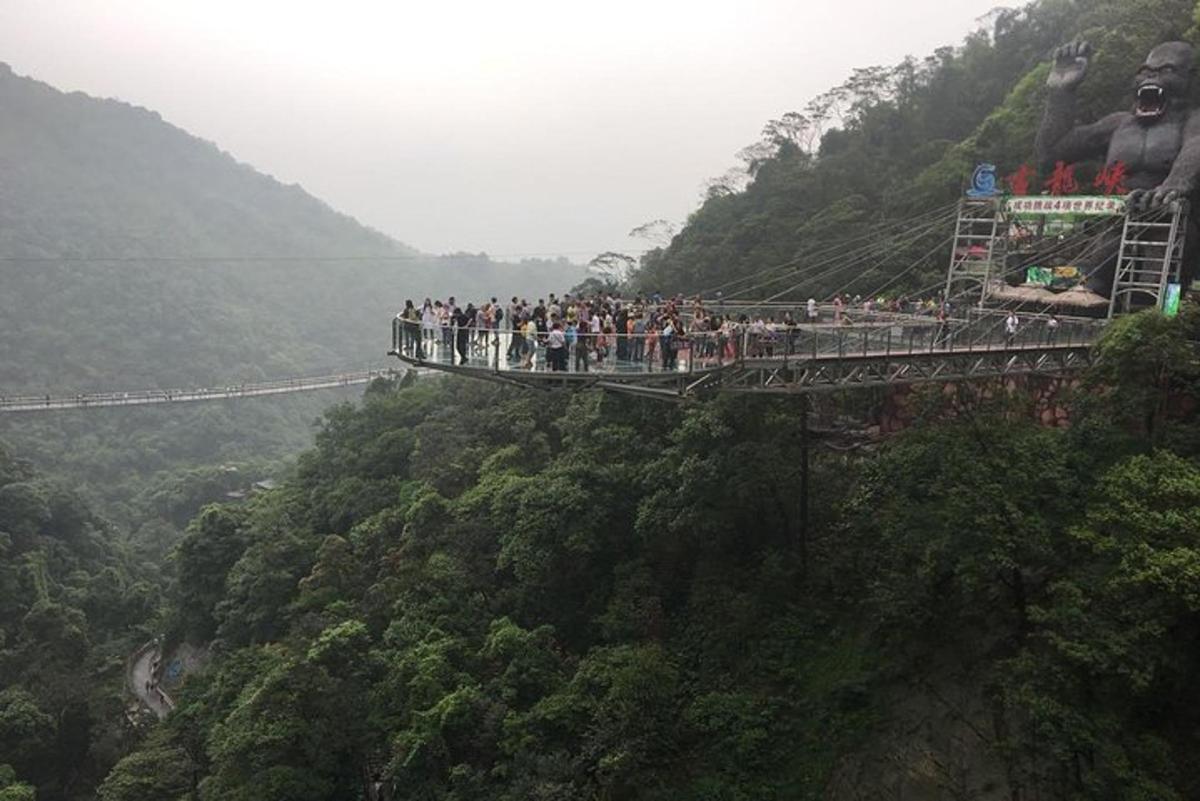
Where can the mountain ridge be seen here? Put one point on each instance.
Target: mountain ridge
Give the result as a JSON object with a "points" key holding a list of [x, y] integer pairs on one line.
{"points": [[185, 264]]}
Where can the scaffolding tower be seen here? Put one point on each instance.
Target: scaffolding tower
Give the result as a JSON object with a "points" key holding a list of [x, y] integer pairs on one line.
{"points": [[979, 246], [1150, 260]]}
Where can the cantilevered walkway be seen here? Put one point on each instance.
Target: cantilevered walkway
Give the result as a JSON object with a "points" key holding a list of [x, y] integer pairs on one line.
{"points": [[898, 349]]}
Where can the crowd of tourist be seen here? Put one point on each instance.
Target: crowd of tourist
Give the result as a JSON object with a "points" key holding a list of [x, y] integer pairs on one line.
{"points": [[583, 333], [568, 330]]}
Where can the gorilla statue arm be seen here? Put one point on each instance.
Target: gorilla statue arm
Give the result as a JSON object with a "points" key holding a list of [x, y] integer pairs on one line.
{"points": [[1058, 138]]}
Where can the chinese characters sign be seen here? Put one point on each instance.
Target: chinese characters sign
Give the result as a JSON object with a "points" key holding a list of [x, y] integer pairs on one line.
{"points": [[1111, 180], [1060, 183], [1083, 205]]}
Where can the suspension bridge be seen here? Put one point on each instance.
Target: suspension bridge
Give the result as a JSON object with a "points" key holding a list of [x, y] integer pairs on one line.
{"points": [[148, 397]]}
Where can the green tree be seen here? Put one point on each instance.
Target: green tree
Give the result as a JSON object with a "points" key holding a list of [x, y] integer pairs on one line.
{"points": [[1109, 680], [214, 542]]}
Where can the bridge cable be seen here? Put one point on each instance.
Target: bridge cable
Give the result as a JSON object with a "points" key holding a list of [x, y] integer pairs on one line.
{"points": [[842, 255], [826, 248]]}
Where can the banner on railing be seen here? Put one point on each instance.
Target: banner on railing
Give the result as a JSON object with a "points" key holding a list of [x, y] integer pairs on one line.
{"points": [[1065, 206]]}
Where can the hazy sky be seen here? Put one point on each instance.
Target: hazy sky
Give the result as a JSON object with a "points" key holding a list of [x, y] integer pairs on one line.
{"points": [[512, 126]]}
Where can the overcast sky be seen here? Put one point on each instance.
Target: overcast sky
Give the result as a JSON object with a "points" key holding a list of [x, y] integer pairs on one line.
{"points": [[516, 127]]}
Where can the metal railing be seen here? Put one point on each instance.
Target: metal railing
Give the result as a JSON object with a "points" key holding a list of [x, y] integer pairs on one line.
{"points": [[499, 350]]}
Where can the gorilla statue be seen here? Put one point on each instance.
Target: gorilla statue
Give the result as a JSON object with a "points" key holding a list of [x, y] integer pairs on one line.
{"points": [[1158, 140]]}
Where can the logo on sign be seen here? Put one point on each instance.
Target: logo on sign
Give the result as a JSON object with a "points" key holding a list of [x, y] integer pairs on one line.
{"points": [[984, 182]]}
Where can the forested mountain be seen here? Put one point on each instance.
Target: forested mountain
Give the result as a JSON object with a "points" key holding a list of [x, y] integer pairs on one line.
{"points": [[892, 142], [134, 255]]}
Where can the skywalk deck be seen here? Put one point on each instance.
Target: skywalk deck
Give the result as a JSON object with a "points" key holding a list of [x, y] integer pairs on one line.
{"points": [[803, 358]]}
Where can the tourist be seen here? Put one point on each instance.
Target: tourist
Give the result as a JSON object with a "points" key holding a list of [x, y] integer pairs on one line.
{"points": [[666, 344], [429, 323], [556, 348], [528, 342], [410, 319], [638, 337], [463, 319], [580, 346], [1010, 328]]}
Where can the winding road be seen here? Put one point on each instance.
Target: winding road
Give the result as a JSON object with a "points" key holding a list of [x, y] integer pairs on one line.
{"points": [[140, 673]]}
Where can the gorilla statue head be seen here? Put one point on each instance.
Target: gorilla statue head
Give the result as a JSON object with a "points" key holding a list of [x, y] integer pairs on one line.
{"points": [[1162, 81]]}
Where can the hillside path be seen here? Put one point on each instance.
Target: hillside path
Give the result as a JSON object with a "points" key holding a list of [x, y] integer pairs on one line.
{"points": [[140, 679]]}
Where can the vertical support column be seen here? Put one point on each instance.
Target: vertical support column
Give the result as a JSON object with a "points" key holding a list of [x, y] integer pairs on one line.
{"points": [[802, 534]]}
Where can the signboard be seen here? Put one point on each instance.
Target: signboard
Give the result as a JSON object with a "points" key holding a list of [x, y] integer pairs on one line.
{"points": [[1062, 277], [1072, 206], [1171, 300], [1042, 276]]}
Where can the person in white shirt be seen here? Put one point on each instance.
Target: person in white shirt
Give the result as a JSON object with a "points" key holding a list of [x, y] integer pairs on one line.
{"points": [[1010, 327], [556, 348], [429, 322]]}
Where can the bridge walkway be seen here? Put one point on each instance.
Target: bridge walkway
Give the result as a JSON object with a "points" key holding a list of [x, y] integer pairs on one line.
{"points": [[144, 397], [802, 358]]}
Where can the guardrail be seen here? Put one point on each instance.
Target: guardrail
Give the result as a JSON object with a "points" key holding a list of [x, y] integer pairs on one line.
{"points": [[503, 351]]}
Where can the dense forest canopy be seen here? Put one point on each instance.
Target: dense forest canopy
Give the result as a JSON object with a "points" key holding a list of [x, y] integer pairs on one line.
{"points": [[74, 601], [482, 594]]}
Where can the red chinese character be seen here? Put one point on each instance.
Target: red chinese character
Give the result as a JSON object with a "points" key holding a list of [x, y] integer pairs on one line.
{"points": [[1018, 182], [1111, 180], [1062, 182]]}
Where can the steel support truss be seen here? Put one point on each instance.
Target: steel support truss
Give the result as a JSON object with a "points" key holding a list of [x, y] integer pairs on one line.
{"points": [[799, 375]]}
